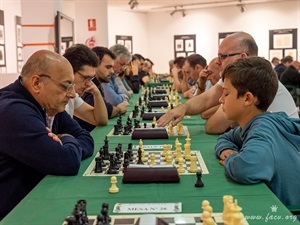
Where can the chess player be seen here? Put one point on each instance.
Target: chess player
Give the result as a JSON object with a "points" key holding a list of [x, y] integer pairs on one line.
{"points": [[38, 137], [111, 90], [265, 147], [193, 65], [103, 74], [84, 63], [234, 46]]}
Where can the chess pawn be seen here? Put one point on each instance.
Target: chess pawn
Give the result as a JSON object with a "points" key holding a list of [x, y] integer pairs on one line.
{"points": [[180, 168], [113, 188], [165, 149], [205, 216], [193, 166], [152, 159], [207, 207], [162, 109], [169, 158]]}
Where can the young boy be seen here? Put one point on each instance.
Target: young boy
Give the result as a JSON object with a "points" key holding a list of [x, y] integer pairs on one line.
{"points": [[266, 146]]}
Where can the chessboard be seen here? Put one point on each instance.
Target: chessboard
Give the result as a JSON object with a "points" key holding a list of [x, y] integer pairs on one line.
{"points": [[169, 219], [119, 129], [159, 160], [232, 214]]}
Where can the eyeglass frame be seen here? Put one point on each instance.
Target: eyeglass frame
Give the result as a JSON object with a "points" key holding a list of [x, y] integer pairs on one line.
{"points": [[85, 77], [224, 56], [68, 87]]}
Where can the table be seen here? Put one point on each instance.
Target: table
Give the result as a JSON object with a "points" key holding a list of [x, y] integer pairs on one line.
{"points": [[54, 197]]}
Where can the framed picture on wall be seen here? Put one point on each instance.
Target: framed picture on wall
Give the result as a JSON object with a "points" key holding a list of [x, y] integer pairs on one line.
{"points": [[19, 35], [2, 55], [184, 45], [19, 43], [120, 42], [2, 41], [125, 40], [127, 44], [284, 41], [290, 52], [180, 54], [223, 35], [276, 53], [178, 45]]}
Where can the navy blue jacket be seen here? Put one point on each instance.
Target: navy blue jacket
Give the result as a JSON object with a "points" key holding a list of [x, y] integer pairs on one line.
{"points": [[27, 154]]}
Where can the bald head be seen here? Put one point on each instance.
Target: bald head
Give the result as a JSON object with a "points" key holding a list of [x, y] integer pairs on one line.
{"points": [[49, 78], [46, 62], [243, 42]]}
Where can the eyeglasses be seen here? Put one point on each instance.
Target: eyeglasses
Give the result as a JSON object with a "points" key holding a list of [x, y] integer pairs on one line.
{"points": [[224, 56], [86, 78], [67, 87]]}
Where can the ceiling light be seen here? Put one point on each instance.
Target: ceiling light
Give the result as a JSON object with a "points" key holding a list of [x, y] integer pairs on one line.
{"points": [[133, 4], [174, 11], [242, 6]]}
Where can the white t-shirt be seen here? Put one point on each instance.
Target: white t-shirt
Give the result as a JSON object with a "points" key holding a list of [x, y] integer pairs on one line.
{"points": [[283, 101], [73, 104]]}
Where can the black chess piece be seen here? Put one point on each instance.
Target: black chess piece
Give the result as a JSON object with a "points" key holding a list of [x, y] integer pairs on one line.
{"points": [[104, 213], [98, 165], [116, 129], [199, 182], [140, 161]]}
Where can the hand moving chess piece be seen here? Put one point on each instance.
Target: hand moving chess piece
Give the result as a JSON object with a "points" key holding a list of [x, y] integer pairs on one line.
{"points": [[113, 188]]}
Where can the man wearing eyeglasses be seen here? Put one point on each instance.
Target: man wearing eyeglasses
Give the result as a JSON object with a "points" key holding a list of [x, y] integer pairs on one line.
{"points": [[237, 45], [103, 74], [84, 62], [38, 137]]}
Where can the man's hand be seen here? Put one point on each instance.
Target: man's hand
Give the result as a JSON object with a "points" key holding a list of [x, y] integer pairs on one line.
{"points": [[175, 114], [134, 67], [123, 107], [53, 136], [203, 78], [92, 88], [224, 154]]}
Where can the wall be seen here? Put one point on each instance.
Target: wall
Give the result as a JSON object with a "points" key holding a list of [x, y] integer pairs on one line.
{"points": [[154, 38], [129, 24]]}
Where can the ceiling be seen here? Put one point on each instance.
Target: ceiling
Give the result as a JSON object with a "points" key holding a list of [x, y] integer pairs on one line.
{"points": [[169, 5]]}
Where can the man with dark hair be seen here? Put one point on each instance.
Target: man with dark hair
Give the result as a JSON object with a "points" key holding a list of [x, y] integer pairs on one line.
{"points": [[265, 146], [103, 74], [193, 65], [84, 62], [177, 73], [283, 65]]}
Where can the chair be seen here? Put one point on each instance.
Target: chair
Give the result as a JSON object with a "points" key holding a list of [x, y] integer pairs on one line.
{"points": [[295, 92]]}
